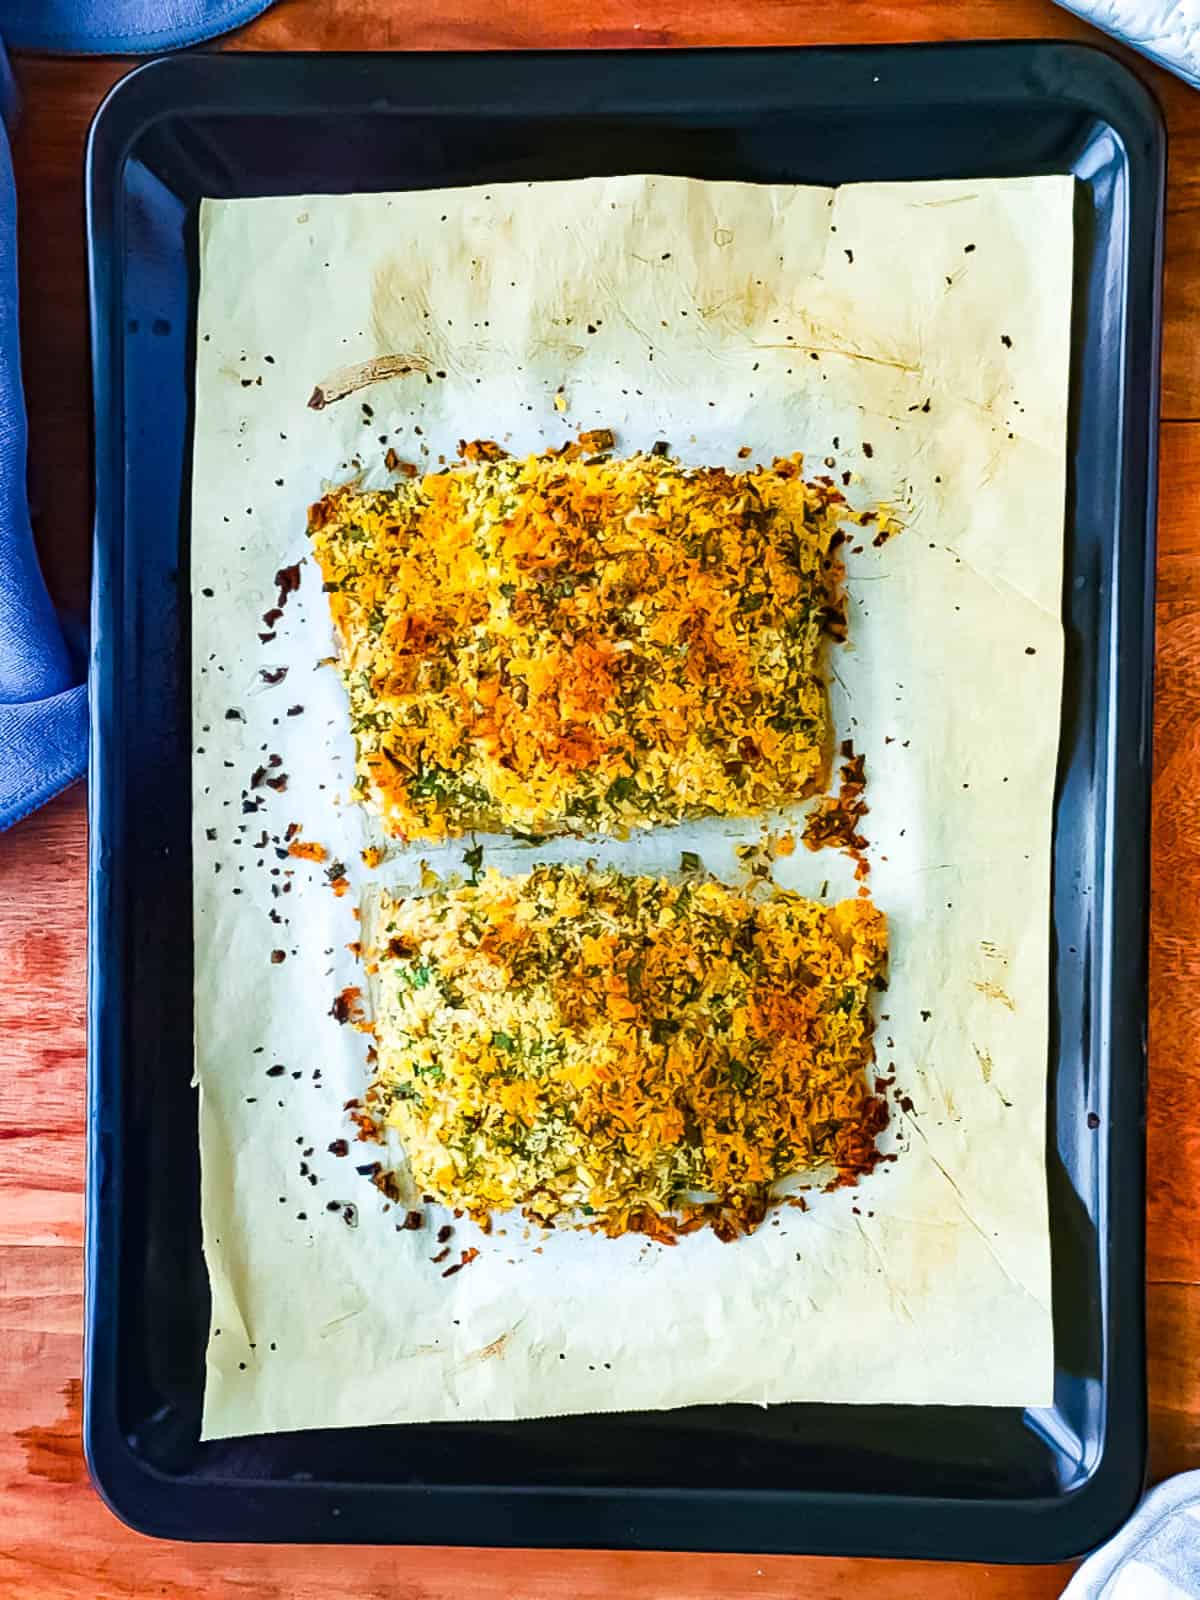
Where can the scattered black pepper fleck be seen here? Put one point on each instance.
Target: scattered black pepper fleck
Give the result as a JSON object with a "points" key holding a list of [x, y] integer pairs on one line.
{"points": [[412, 1221], [339, 1147], [967, 249], [868, 451], [444, 1232], [1093, 1121], [277, 1071], [1029, 650], [278, 956]]}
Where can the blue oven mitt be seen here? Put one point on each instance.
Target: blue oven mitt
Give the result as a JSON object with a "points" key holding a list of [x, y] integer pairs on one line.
{"points": [[43, 705]]}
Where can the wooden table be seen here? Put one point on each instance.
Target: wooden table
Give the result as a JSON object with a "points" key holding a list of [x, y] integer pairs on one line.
{"points": [[57, 1539]]}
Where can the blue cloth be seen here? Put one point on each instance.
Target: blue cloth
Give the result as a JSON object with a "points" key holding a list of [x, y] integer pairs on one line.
{"points": [[43, 711], [43, 705], [119, 27]]}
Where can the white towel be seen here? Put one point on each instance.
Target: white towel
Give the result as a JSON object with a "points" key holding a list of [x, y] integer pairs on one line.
{"points": [[1168, 31], [1156, 1555]]}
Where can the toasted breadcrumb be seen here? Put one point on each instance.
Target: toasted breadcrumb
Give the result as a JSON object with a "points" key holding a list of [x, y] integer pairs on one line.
{"points": [[628, 1053], [571, 643]]}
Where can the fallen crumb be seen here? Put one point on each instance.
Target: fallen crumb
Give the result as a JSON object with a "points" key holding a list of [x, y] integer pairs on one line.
{"points": [[467, 1257], [288, 580], [307, 850], [347, 1006]]}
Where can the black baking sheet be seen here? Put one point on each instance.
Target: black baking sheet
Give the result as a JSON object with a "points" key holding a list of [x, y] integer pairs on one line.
{"points": [[962, 1482]]}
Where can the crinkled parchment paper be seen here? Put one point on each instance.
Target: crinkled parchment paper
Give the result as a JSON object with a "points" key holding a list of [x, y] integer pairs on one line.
{"points": [[917, 336]]}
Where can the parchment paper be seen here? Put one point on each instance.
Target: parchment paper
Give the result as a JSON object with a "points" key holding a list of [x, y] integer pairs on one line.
{"points": [[917, 336]]}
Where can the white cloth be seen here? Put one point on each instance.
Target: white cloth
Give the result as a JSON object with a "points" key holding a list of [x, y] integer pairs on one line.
{"points": [[1168, 31], [1156, 1555]]}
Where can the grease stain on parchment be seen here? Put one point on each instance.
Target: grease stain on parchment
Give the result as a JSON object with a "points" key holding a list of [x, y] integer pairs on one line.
{"points": [[993, 991], [490, 1352]]}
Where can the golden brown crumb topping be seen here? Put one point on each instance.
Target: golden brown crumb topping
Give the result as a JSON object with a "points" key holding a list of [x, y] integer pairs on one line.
{"points": [[633, 1053], [569, 643]]}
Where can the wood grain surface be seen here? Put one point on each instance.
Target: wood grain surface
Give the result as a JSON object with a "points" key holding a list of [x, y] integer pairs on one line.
{"points": [[58, 1541]]}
